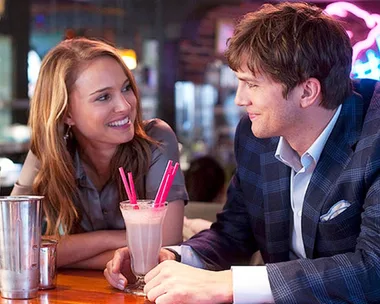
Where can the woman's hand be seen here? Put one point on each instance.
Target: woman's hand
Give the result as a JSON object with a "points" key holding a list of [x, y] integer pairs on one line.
{"points": [[118, 271], [193, 226]]}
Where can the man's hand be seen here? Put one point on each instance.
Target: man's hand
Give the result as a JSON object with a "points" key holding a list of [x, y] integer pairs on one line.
{"points": [[173, 282], [118, 271]]}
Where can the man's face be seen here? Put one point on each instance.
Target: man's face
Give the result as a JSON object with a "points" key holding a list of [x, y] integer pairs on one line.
{"points": [[270, 113]]}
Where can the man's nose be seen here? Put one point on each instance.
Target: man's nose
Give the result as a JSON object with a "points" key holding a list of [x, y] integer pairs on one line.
{"points": [[241, 98]]}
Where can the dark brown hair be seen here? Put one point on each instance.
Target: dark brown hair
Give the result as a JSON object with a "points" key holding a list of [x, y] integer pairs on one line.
{"points": [[292, 42]]}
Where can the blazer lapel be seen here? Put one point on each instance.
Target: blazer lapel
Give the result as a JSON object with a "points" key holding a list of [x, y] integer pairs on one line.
{"points": [[276, 185], [334, 158]]}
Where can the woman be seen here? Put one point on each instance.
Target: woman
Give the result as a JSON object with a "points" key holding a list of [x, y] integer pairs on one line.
{"points": [[86, 122]]}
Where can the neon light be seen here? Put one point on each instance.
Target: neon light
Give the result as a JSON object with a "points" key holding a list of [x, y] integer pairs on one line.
{"points": [[369, 69]]}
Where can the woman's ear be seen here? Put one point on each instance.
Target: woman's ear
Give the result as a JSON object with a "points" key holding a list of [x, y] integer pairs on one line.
{"points": [[68, 119], [311, 94]]}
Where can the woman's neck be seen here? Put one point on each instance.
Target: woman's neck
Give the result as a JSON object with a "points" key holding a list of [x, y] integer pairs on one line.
{"points": [[96, 164]]}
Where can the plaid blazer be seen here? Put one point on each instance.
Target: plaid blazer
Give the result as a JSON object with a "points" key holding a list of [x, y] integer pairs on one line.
{"points": [[343, 254]]}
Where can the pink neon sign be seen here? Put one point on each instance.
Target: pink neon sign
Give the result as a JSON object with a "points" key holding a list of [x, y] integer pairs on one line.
{"points": [[372, 21]]}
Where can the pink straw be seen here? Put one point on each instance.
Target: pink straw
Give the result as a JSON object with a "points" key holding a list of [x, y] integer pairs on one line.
{"points": [[166, 182], [130, 191], [122, 174], [161, 187], [132, 186], [169, 183]]}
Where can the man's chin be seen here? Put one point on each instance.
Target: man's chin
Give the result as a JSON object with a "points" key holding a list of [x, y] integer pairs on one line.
{"points": [[260, 133]]}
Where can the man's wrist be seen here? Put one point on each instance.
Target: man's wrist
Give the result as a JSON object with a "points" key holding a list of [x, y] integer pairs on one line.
{"points": [[224, 287]]}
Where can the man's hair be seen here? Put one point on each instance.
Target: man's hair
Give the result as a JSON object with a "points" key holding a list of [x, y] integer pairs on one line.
{"points": [[292, 42]]}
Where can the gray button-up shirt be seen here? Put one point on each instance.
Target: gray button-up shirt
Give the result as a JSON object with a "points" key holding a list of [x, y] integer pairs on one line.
{"points": [[100, 210]]}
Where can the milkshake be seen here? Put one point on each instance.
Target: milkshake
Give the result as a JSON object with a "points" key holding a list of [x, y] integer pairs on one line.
{"points": [[144, 241], [143, 224]]}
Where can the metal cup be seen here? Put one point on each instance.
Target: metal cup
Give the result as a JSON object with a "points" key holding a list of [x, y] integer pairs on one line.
{"points": [[20, 236], [48, 263]]}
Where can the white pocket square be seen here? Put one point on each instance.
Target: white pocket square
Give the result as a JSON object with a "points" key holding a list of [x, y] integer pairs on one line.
{"points": [[335, 210]]}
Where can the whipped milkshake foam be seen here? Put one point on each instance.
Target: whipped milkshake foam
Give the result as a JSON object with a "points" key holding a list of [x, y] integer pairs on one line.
{"points": [[144, 233]]}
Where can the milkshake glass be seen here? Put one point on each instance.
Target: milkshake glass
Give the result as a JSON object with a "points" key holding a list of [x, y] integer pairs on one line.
{"points": [[143, 223]]}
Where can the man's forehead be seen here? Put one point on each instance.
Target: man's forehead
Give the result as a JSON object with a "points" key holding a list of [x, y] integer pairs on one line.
{"points": [[244, 73]]}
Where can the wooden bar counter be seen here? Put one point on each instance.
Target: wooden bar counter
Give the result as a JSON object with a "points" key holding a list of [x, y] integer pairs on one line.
{"points": [[81, 286]]}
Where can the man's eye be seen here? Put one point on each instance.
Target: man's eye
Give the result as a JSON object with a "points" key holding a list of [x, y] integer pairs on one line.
{"points": [[251, 85]]}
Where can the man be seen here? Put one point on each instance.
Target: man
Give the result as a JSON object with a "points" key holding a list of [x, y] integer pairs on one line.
{"points": [[306, 192]]}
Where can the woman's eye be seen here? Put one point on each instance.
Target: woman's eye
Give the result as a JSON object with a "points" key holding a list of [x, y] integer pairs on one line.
{"points": [[127, 88], [103, 97]]}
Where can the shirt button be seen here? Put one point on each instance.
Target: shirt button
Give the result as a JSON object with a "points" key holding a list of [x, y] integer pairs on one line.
{"points": [[299, 213]]}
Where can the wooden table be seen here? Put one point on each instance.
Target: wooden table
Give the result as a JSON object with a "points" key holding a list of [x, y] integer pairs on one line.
{"points": [[81, 286]]}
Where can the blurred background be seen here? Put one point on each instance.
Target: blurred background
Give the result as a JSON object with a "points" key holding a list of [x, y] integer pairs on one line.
{"points": [[175, 50]]}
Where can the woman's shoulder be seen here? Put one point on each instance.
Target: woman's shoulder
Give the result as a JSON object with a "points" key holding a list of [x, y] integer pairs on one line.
{"points": [[159, 130]]}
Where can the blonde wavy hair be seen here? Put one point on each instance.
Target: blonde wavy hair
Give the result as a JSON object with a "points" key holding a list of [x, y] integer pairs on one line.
{"points": [[49, 106]]}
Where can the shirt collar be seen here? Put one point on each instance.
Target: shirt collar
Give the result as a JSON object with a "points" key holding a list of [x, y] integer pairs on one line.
{"points": [[289, 157], [285, 154], [316, 148]]}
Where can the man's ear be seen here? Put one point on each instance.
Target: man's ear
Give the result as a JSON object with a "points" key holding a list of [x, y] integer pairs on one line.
{"points": [[311, 94]]}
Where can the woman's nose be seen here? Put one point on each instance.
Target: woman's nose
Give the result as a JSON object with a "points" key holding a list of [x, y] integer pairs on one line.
{"points": [[122, 104]]}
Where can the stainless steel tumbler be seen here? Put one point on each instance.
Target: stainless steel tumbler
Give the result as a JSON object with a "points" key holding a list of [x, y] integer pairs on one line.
{"points": [[20, 237], [48, 263]]}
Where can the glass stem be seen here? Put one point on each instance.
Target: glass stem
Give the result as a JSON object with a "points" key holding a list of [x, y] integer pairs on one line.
{"points": [[140, 282]]}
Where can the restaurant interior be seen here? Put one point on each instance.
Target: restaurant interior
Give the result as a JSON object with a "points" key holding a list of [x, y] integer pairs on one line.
{"points": [[175, 51]]}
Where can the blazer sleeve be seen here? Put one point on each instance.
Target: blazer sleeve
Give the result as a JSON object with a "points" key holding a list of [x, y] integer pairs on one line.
{"points": [[28, 173], [229, 241]]}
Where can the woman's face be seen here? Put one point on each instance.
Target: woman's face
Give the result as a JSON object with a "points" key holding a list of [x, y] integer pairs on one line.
{"points": [[102, 105]]}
